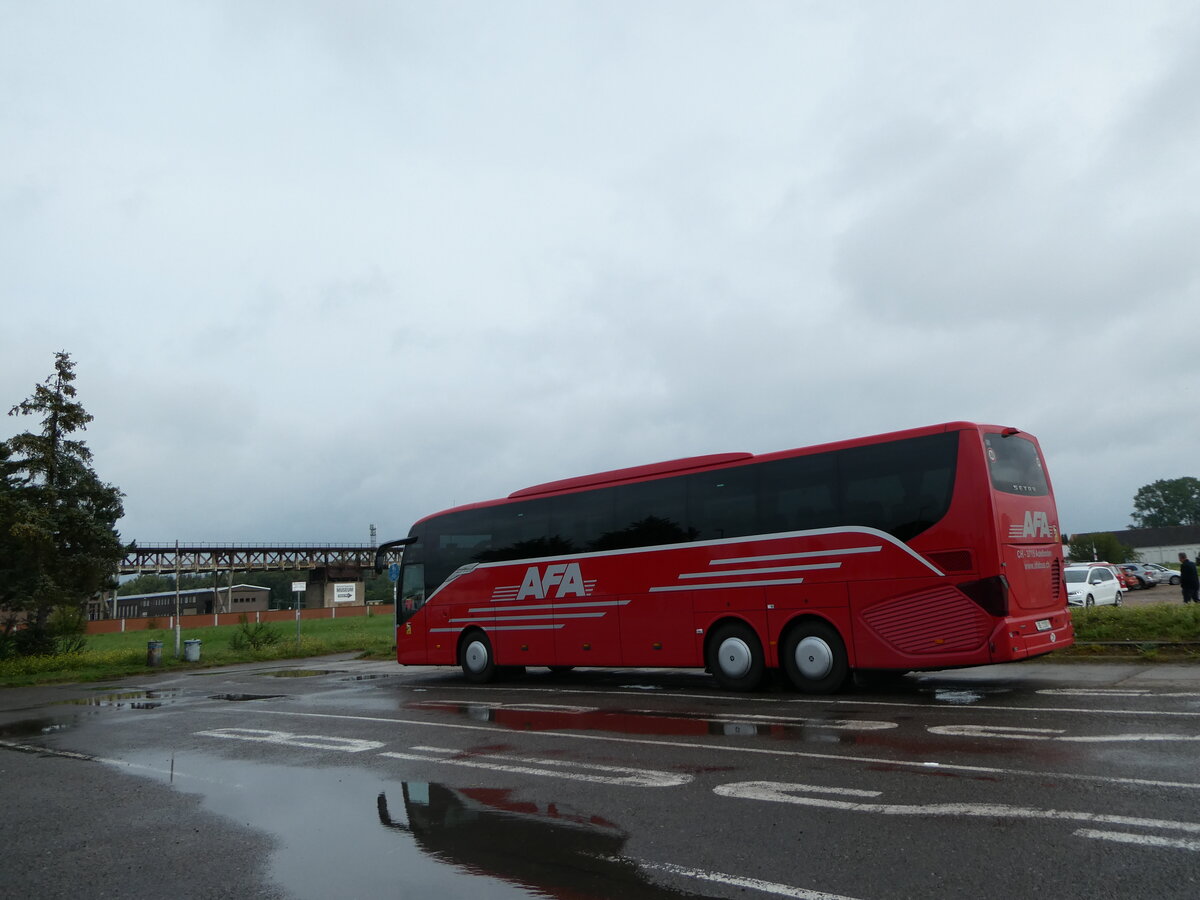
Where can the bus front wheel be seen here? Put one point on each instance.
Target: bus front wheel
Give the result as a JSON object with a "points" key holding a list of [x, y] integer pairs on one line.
{"points": [[736, 658], [475, 657], [814, 658]]}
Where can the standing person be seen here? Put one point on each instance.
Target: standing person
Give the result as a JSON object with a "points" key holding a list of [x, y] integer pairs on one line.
{"points": [[1189, 581]]}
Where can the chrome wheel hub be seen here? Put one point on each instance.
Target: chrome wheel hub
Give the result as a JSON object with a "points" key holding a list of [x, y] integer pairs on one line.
{"points": [[814, 658], [476, 656], [734, 657]]}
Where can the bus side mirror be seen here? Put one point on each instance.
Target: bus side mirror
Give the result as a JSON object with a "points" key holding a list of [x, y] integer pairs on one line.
{"points": [[381, 552]]}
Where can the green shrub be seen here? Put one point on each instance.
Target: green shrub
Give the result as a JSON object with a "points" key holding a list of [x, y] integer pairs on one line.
{"points": [[258, 636]]}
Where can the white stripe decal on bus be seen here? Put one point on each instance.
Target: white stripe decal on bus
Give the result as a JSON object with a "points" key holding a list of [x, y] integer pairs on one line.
{"points": [[806, 555], [502, 618], [491, 627], [726, 572], [590, 605], [726, 584]]}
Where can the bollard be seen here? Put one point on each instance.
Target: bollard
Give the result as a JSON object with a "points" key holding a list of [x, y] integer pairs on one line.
{"points": [[191, 651], [154, 653]]}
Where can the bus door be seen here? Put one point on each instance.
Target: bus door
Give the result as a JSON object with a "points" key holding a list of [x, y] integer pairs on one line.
{"points": [[587, 625], [657, 630]]}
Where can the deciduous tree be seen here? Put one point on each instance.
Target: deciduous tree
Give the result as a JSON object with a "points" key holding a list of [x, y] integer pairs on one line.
{"points": [[1103, 546], [1168, 501]]}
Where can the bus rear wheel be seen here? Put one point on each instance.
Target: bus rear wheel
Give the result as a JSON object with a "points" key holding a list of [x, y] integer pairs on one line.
{"points": [[814, 658], [475, 657], [735, 658]]}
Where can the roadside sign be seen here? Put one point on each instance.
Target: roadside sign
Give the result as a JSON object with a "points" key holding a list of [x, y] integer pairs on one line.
{"points": [[299, 586], [394, 572]]}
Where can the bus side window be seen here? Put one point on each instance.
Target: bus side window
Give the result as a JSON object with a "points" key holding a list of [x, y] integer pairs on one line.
{"points": [[803, 493], [722, 505]]}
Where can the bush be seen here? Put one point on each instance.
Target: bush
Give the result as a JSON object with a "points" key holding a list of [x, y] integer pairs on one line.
{"points": [[253, 637], [64, 633]]}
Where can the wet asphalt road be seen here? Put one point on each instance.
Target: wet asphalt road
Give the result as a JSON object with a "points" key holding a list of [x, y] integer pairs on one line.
{"points": [[335, 778]]}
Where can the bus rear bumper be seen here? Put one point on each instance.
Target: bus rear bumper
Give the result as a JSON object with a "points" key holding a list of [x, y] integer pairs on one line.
{"points": [[1034, 635]]}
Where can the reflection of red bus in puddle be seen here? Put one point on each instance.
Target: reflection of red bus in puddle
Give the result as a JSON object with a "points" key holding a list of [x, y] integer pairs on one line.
{"points": [[558, 717], [482, 831], [924, 549]]}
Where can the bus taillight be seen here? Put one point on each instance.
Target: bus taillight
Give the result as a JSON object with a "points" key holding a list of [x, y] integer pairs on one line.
{"points": [[990, 593]]}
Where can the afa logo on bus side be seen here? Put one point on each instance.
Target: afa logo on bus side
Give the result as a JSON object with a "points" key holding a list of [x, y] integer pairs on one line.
{"points": [[566, 576]]}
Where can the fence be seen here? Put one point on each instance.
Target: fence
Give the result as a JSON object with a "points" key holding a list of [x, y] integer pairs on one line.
{"points": [[207, 620]]}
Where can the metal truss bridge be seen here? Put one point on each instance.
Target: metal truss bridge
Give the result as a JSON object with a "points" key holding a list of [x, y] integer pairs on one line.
{"points": [[176, 557]]}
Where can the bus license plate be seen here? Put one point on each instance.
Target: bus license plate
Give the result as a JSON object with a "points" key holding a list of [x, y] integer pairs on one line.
{"points": [[1043, 625]]}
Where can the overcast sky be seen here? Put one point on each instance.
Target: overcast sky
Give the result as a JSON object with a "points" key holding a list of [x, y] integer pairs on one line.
{"points": [[323, 265]]}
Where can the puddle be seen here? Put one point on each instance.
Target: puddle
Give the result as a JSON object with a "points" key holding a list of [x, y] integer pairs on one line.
{"points": [[541, 849], [297, 673], [238, 698], [557, 717], [436, 841], [960, 698], [125, 699], [35, 728], [374, 677]]}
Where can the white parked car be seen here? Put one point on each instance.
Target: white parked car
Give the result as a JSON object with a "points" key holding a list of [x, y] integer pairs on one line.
{"points": [[1092, 586], [1165, 575]]}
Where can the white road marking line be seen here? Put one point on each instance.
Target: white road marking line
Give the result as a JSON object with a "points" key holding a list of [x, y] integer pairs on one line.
{"points": [[1137, 693], [436, 705], [754, 884], [286, 738], [725, 748], [117, 763], [1014, 733], [832, 701], [591, 772], [783, 792], [1144, 840]]}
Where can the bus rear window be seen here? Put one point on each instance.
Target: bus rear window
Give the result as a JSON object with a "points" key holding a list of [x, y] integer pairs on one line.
{"points": [[1015, 466]]}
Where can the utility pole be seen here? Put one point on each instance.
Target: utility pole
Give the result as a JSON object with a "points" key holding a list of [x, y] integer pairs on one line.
{"points": [[177, 599]]}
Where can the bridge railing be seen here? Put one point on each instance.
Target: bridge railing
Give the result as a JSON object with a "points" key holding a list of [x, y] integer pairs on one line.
{"points": [[245, 557]]}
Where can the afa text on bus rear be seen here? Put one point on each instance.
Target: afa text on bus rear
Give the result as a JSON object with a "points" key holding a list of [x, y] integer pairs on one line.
{"points": [[930, 548]]}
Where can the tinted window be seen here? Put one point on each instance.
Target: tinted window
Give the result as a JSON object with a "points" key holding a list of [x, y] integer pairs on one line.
{"points": [[723, 504], [902, 488], [1015, 465], [799, 493], [646, 514]]}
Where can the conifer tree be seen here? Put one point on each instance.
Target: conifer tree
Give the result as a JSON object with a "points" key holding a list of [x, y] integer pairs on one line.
{"points": [[58, 538]]}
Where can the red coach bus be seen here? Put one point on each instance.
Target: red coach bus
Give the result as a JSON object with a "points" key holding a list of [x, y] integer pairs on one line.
{"points": [[930, 548]]}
